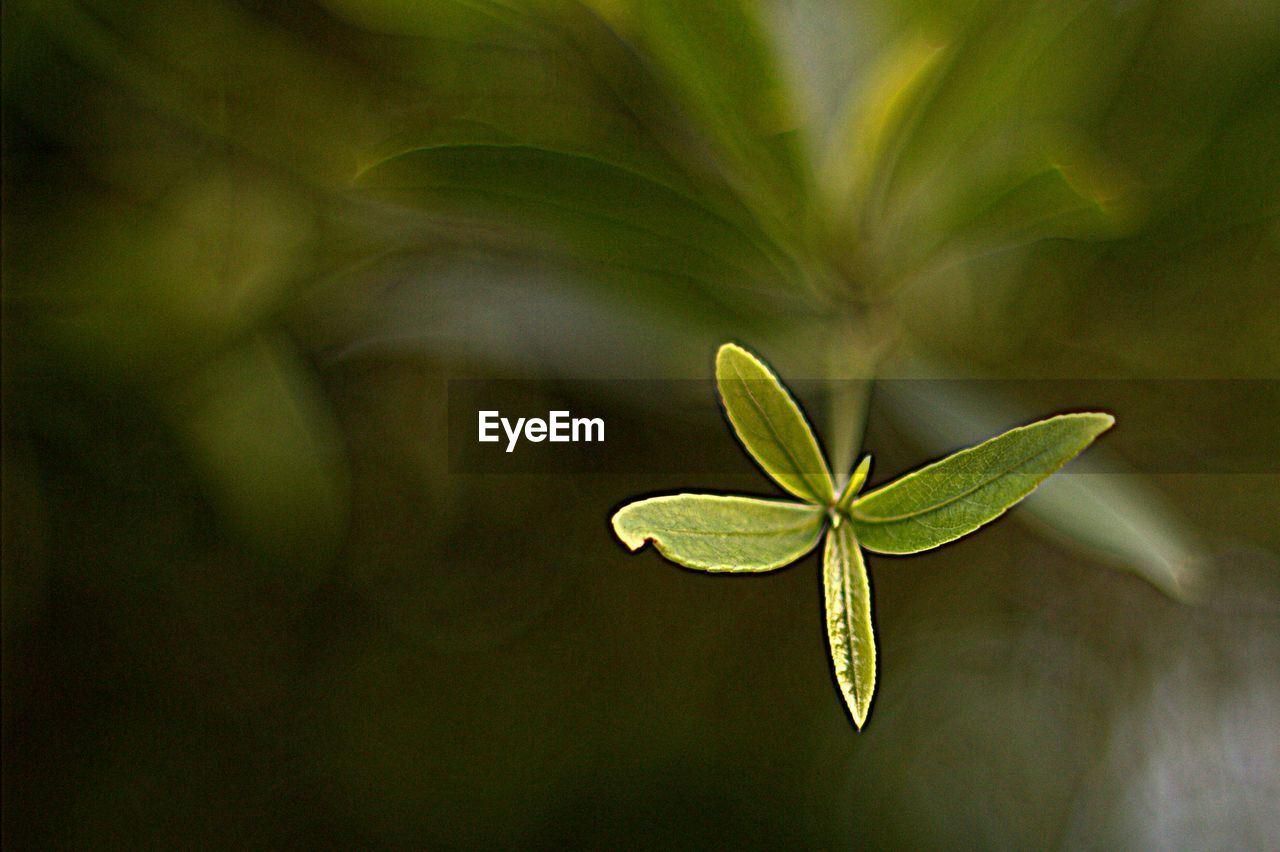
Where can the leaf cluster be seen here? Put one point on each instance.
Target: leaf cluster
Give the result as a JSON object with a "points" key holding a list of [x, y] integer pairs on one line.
{"points": [[683, 174], [927, 508]]}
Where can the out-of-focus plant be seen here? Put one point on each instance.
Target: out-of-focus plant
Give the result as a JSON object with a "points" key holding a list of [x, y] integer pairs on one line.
{"points": [[853, 191], [672, 161], [925, 509], [245, 244]]}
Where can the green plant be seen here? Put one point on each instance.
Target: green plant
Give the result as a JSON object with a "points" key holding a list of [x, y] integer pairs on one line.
{"points": [[914, 197], [928, 508]]}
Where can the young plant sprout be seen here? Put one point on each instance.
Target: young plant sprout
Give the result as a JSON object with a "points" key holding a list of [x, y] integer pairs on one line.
{"points": [[936, 504]]}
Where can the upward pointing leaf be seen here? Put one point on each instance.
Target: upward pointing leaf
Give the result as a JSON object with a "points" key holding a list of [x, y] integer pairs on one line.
{"points": [[716, 56], [848, 600], [771, 425], [953, 497], [854, 485], [712, 532]]}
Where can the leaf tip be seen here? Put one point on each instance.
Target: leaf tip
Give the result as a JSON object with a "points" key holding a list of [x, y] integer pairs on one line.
{"points": [[1097, 422], [860, 706], [728, 351], [1100, 421]]}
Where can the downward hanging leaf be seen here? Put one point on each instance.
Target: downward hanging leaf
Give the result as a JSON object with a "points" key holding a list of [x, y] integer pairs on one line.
{"points": [[848, 601], [953, 497], [771, 425], [721, 533]]}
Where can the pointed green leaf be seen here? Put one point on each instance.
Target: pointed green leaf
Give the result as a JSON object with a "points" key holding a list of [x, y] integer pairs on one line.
{"points": [[953, 497], [1117, 516], [856, 481], [848, 603], [712, 532], [771, 425], [874, 117]]}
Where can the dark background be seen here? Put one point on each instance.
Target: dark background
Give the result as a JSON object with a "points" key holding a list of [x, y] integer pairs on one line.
{"points": [[248, 602]]}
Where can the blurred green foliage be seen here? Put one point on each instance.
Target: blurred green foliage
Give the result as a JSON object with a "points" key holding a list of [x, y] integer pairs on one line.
{"points": [[245, 245]]}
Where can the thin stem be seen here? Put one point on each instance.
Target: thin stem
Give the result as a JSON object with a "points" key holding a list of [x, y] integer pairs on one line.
{"points": [[848, 400], [850, 371]]}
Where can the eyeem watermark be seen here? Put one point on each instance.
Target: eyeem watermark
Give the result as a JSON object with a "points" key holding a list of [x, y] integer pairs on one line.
{"points": [[559, 428], [664, 427]]}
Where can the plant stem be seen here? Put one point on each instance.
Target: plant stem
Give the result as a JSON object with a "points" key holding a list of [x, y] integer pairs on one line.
{"points": [[848, 400], [850, 372]]}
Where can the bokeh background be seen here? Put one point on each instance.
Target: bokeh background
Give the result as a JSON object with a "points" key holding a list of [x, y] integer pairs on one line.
{"points": [[247, 602]]}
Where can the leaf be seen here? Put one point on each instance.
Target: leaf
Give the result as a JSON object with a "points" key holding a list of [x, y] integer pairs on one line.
{"points": [[1063, 195], [256, 430], [593, 209], [771, 425], [717, 58], [1000, 72], [713, 532], [510, 312], [1118, 518], [851, 489], [875, 113], [848, 604], [1050, 190], [953, 497]]}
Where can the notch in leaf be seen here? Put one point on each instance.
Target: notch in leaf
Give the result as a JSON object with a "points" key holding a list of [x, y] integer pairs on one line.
{"points": [[713, 532]]}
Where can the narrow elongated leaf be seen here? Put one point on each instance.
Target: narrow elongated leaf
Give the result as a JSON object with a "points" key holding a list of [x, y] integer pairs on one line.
{"points": [[595, 209], [1023, 197], [716, 56], [874, 116], [1118, 517], [771, 425], [848, 604], [953, 497], [713, 532]]}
